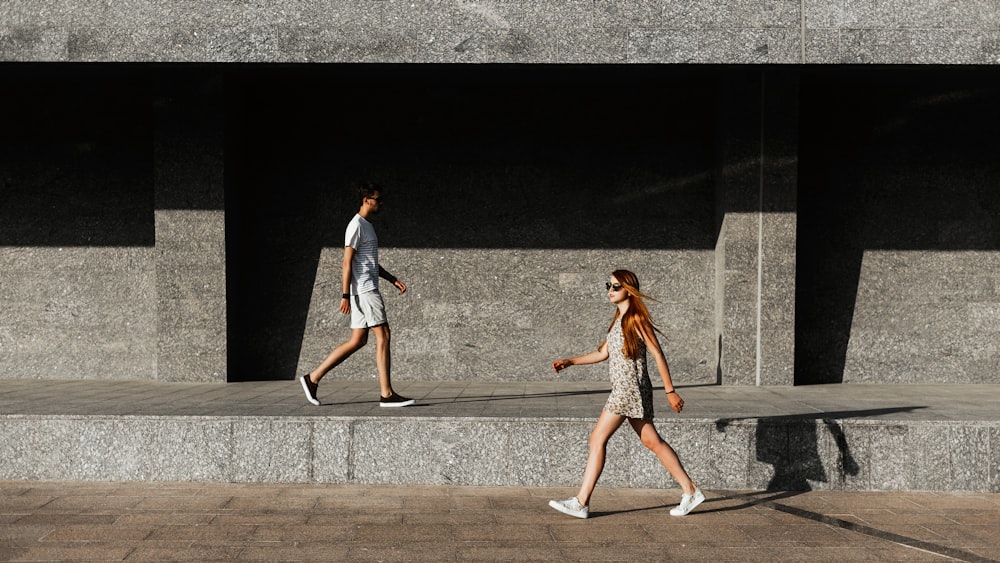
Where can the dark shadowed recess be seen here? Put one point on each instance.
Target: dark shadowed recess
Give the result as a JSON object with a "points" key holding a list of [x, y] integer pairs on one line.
{"points": [[480, 157], [75, 156], [890, 158]]}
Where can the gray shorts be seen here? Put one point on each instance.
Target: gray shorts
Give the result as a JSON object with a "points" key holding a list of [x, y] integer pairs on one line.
{"points": [[367, 310]]}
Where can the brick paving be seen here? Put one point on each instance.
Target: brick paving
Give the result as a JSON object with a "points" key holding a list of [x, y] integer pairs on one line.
{"points": [[146, 521]]}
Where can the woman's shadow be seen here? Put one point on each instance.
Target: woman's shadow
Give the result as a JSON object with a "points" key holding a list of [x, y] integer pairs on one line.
{"points": [[791, 445]]}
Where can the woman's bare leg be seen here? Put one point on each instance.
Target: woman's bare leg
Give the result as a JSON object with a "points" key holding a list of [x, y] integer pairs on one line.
{"points": [[652, 440], [605, 427]]}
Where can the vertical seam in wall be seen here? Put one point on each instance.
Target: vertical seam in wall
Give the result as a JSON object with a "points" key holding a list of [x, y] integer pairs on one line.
{"points": [[760, 227], [350, 451]]}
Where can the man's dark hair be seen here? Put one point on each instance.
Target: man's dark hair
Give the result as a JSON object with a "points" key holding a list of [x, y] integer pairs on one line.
{"points": [[367, 190]]}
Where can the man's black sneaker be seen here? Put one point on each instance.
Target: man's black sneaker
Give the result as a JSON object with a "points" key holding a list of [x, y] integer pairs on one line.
{"points": [[395, 400], [310, 388]]}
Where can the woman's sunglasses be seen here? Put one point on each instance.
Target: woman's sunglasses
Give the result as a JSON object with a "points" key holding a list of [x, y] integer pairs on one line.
{"points": [[614, 286]]}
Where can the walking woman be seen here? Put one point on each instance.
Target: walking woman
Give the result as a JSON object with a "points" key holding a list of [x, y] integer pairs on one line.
{"points": [[631, 334]]}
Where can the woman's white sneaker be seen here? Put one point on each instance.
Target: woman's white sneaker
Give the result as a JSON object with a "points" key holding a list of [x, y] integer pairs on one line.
{"points": [[570, 506], [688, 502]]}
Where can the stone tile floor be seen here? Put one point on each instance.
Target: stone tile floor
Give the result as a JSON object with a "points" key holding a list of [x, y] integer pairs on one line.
{"points": [[546, 399], [83, 521]]}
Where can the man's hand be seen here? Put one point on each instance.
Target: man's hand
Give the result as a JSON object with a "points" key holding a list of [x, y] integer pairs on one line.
{"points": [[400, 286]]}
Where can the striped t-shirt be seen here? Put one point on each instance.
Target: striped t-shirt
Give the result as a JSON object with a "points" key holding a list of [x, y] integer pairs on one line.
{"points": [[361, 237]]}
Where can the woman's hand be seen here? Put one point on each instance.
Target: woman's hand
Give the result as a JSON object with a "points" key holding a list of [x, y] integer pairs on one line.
{"points": [[675, 401], [559, 365]]}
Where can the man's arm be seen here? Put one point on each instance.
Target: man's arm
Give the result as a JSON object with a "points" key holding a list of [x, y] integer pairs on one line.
{"points": [[384, 274], [345, 280]]}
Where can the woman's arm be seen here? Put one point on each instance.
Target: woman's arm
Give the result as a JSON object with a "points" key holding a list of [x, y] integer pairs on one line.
{"points": [[594, 357], [648, 336]]}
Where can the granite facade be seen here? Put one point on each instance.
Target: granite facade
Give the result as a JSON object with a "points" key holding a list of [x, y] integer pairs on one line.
{"points": [[504, 31]]}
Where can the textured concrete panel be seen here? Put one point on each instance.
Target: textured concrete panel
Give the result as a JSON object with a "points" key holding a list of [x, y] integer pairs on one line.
{"points": [[331, 452], [435, 452], [271, 451], [742, 46], [548, 452], [77, 313], [495, 31], [725, 457], [449, 326], [971, 456], [939, 325]]}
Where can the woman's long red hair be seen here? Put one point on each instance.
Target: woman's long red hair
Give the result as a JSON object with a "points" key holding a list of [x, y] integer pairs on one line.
{"points": [[636, 316]]}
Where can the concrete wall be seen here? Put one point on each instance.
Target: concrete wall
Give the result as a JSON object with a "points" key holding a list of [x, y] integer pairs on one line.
{"points": [[504, 31], [799, 226]]}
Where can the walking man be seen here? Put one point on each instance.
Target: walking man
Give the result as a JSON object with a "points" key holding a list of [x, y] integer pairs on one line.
{"points": [[360, 273]]}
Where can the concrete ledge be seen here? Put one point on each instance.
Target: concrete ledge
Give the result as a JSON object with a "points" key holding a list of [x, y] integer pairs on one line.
{"points": [[498, 438], [750, 454]]}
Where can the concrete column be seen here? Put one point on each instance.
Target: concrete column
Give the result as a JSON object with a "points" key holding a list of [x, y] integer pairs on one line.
{"points": [[190, 227], [755, 250]]}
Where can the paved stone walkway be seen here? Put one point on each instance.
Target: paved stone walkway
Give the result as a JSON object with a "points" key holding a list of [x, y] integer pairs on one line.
{"points": [[78, 521], [555, 398]]}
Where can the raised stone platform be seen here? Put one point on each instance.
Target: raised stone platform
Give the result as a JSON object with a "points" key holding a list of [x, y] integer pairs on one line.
{"points": [[845, 437]]}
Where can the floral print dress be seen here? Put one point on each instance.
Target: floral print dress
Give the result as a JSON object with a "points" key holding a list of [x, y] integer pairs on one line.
{"points": [[631, 389]]}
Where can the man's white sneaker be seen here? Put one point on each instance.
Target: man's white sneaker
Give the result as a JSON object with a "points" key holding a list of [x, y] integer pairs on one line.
{"points": [[688, 502], [570, 506]]}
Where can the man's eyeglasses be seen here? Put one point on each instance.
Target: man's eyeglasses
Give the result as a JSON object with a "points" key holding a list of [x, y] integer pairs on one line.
{"points": [[614, 286]]}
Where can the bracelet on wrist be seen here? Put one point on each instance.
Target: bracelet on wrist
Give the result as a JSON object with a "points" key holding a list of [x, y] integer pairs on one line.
{"points": [[346, 296], [671, 391]]}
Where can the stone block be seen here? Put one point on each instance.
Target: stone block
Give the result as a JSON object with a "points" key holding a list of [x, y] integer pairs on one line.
{"points": [[433, 452], [269, 450], [970, 456], [927, 462], [548, 453], [188, 449], [725, 457], [954, 46], [331, 451], [868, 46]]}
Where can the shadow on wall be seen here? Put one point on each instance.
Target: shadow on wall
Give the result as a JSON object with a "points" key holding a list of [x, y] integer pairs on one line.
{"points": [[791, 444], [75, 158], [472, 158], [889, 159]]}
